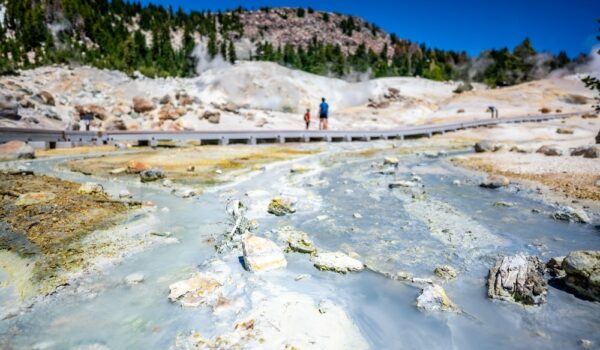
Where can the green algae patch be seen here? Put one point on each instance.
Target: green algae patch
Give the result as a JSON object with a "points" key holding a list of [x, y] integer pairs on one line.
{"points": [[48, 232]]}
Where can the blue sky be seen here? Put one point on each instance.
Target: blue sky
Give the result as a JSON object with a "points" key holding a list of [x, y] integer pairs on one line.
{"points": [[471, 25]]}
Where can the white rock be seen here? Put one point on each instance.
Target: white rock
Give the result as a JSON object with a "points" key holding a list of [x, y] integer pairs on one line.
{"points": [[261, 254], [125, 194], [456, 182], [134, 278], [434, 298], [390, 160], [357, 216], [337, 262], [91, 188], [194, 291]]}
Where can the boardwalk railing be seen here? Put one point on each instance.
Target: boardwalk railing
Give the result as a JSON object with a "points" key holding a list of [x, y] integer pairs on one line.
{"points": [[41, 138]]}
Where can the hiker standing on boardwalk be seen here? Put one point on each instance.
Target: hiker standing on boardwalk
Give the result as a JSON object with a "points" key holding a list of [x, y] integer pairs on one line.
{"points": [[307, 118], [323, 114]]}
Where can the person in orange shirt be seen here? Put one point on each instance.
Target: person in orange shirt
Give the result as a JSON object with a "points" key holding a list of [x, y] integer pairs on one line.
{"points": [[307, 118]]}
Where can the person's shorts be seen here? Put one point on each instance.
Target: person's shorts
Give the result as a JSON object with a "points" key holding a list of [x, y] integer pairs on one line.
{"points": [[323, 116]]}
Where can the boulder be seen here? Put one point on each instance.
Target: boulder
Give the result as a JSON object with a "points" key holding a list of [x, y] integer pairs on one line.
{"points": [[445, 272], [32, 198], [92, 188], [571, 214], [115, 124], [298, 241], [165, 99], [554, 267], [484, 146], [261, 254], [152, 174], [194, 291], [582, 269], [550, 150], [136, 167], [212, 116], [336, 262], [566, 131], [390, 161], [9, 109], [434, 298], [519, 279], [495, 181], [280, 207], [45, 97], [98, 112], [16, 150], [141, 105]]}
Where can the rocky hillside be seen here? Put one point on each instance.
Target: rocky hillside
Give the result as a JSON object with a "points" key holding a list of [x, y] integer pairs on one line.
{"points": [[166, 42]]}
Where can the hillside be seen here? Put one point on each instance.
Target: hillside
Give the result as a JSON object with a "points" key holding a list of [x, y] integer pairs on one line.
{"points": [[158, 41], [260, 95]]}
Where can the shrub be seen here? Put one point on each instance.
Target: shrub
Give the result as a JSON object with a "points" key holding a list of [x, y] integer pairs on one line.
{"points": [[463, 87]]}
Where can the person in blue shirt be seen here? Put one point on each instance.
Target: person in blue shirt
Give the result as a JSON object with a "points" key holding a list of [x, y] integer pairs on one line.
{"points": [[323, 114]]}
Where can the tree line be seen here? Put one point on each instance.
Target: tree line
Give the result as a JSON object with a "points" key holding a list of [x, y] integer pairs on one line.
{"points": [[104, 34]]}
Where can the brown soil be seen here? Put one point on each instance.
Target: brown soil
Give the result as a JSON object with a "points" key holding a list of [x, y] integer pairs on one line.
{"points": [[580, 185], [50, 232]]}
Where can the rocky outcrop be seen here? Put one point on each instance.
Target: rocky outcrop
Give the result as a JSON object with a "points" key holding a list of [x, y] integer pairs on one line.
{"points": [[336, 262], [519, 279], [16, 150], [152, 174], [550, 150], [261, 254], [434, 298], [141, 105], [495, 181], [281, 207], [582, 269], [194, 291]]}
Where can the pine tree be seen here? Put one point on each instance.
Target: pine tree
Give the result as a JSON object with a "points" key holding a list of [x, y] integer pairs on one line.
{"points": [[231, 53]]}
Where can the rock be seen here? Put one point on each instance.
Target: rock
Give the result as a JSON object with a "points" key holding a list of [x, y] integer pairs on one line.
{"points": [[549, 150], [357, 216], [456, 182], [135, 167], [589, 116], [115, 124], [32, 198], [503, 204], [519, 149], [9, 109], [554, 267], [565, 131], [434, 298], [230, 107], [495, 181], [598, 137], [190, 168], [585, 343], [390, 161], [401, 183], [16, 150], [519, 279], [298, 241], [484, 146], [194, 291], [582, 269], [280, 207], [297, 168], [592, 152], [98, 112], [45, 97], [165, 99], [92, 188], [125, 194], [445, 271], [571, 214], [134, 278], [212, 116], [141, 105], [152, 174], [336, 262], [261, 254]]}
